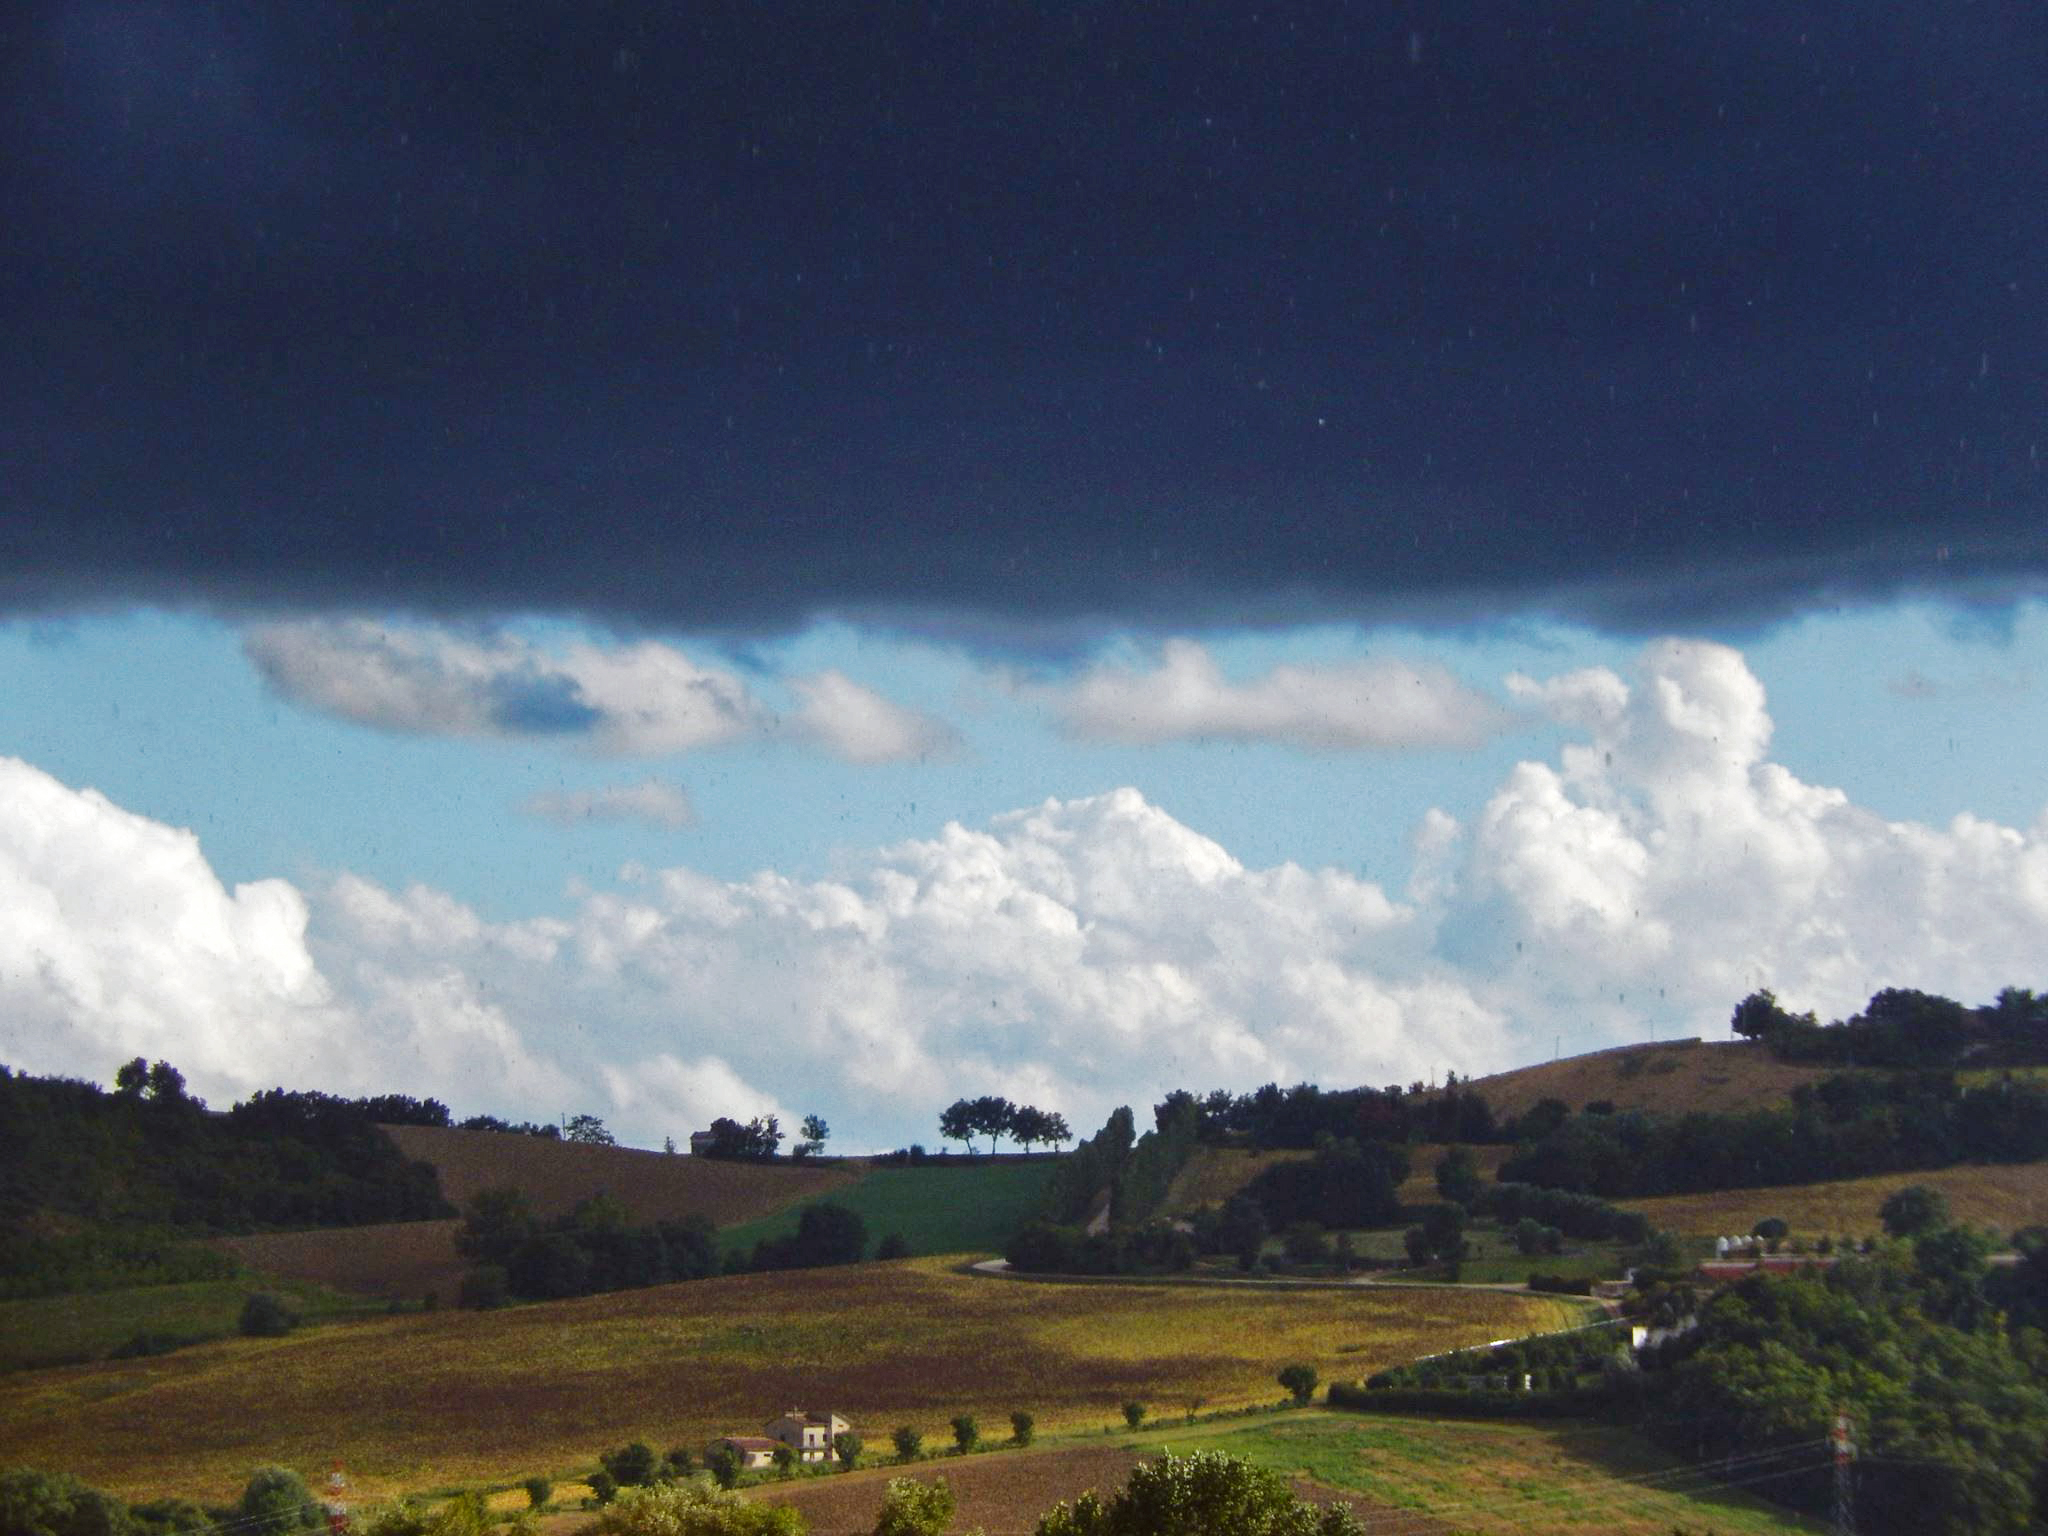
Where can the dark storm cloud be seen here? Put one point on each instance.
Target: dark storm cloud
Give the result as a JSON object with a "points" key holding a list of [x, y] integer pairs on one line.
{"points": [[1016, 316]]}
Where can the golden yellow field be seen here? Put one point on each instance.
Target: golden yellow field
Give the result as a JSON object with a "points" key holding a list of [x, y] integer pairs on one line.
{"points": [[2005, 1196], [429, 1400]]}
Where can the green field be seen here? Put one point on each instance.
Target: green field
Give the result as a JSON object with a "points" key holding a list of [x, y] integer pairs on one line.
{"points": [[1495, 1477], [964, 1207], [66, 1330]]}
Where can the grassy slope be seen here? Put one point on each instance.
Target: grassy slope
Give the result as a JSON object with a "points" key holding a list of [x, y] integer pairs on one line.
{"points": [[1528, 1479], [426, 1400], [63, 1330], [1408, 1475], [963, 1208]]}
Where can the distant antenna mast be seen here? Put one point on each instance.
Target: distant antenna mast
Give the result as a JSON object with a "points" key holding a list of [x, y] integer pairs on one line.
{"points": [[337, 1501], [1845, 1488]]}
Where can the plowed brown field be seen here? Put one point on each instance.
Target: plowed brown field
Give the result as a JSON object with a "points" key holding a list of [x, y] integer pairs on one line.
{"points": [[655, 1186], [426, 1400], [401, 1259]]}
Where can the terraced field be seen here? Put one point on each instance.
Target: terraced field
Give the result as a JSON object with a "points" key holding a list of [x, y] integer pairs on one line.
{"points": [[428, 1400]]}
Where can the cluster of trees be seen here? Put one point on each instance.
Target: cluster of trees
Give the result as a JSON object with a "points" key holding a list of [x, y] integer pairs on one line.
{"points": [[1938, 1361], [752, 1140], [1557, 1361], [596, 1247], [132, 1175], [1901, 1027], [599, 1247], [1152, 1247], [275, 1502], [1207, 1491], [1347, 1183], [993, 1117], [826, 1233], [1125, 1176], [1273, 1117], [1564, 1211], [1842, 1127]]}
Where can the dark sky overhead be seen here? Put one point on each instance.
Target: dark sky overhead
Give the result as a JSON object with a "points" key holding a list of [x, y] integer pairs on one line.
{"points": [[1005, 317]]}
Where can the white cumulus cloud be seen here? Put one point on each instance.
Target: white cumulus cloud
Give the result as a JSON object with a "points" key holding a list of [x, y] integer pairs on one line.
{"points": [[1078, 953], [853, 722], [1665, 865], [1350, 706]]}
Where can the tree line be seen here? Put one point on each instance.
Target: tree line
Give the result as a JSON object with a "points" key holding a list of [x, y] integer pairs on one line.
{"points": [[139, 1172], [1904, 1028], [1845, 1126], [994, 1117], [598, 1246]]}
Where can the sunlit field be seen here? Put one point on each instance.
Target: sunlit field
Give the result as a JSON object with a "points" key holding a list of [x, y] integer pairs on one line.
{"points": [[1403, 1477], [429, 1400], [2006, 1196]]}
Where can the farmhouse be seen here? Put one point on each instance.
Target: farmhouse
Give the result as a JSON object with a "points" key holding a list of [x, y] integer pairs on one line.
{"points": [[810, 1435], [754, 1451]]}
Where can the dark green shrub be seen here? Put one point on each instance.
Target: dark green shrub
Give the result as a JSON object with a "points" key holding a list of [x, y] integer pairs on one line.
{"points": [[631, 1466], [538, 1491], [1300, 1380], [1021, 1427], [484, 1288], [908, 1442], [276, 1501], [265, 1317], [1134, 1413]]}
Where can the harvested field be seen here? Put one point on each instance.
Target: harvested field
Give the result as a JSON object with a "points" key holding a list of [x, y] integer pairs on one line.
{"points": [[655, 1186], [1669, 1079], [429, 1400], [401, 1260], [2007, 1196]]}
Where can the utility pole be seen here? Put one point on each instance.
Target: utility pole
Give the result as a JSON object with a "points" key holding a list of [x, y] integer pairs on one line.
{"points": [[1845, 1488]]}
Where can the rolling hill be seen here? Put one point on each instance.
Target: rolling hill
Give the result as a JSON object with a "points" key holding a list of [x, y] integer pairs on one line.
{"points": [[425, 1400], [409, 1260], [1667, 1077]]}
